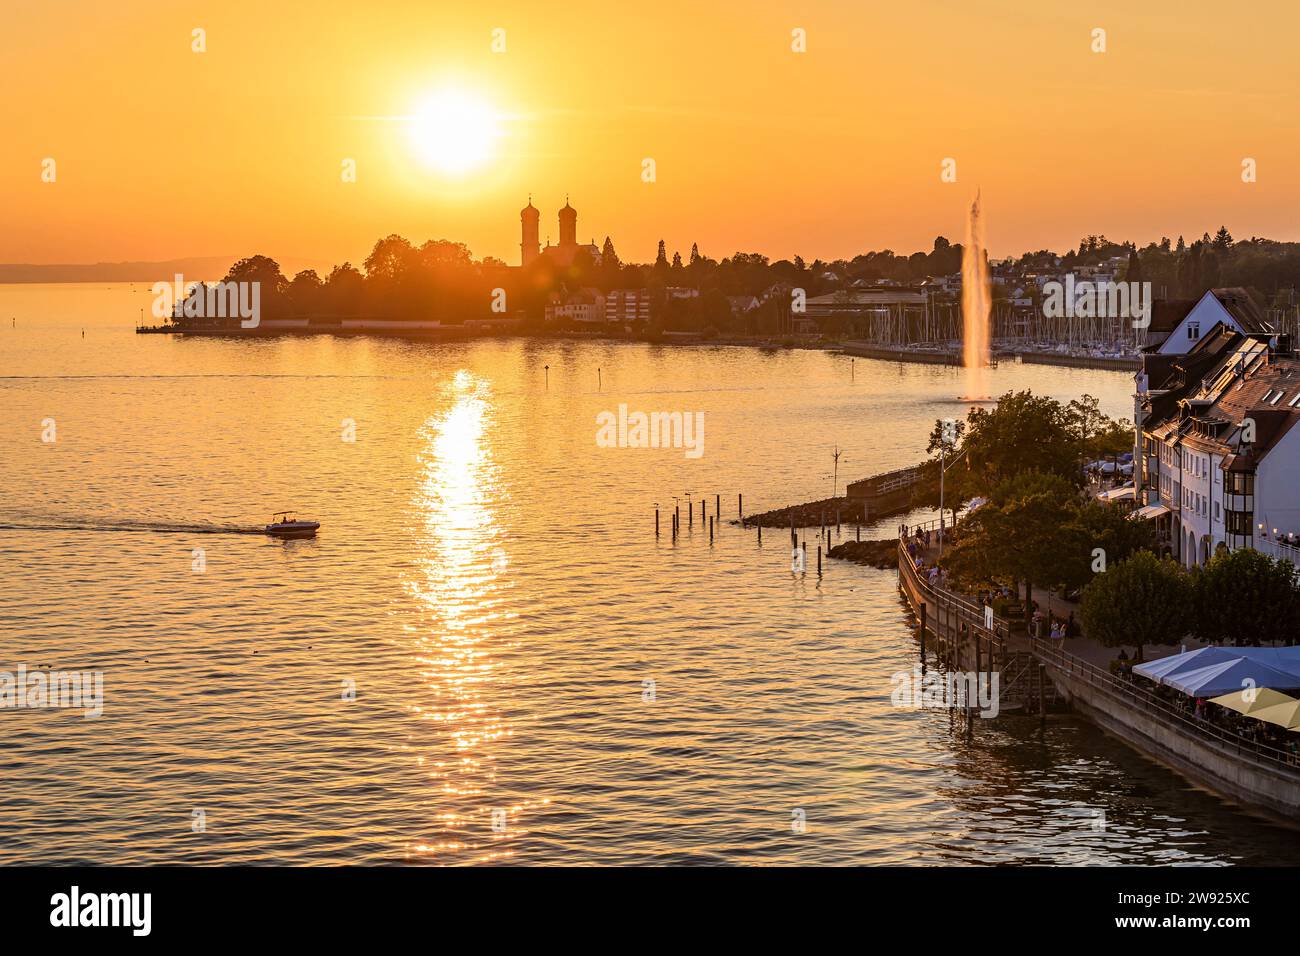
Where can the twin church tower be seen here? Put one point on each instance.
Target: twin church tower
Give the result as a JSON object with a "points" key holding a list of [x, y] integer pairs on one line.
{"points": [[530, 249]]}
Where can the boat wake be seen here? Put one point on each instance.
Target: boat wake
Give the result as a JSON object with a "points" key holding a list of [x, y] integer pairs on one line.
{"points": [[155, 527]]}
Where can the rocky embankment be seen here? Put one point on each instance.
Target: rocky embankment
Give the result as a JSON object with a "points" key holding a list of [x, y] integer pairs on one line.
{"points": [[878, 554]]}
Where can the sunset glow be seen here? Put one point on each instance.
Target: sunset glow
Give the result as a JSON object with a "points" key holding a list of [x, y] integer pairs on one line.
{"points": [[819, 154]]}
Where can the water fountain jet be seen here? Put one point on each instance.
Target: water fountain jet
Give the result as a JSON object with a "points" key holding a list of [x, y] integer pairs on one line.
{"points": [[976, 301]]}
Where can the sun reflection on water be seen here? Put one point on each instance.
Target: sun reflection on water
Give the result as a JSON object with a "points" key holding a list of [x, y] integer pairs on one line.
{"points": [[457, 587]]}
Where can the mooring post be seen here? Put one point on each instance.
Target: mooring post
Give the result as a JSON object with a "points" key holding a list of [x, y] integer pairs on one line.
{"points": [[837, 520], [819, 560], [710, 529], [858, 532], [717, 506], [704, 505], [656, 522], [690, 516], [760, 534], [740, 507], [923, 609]]}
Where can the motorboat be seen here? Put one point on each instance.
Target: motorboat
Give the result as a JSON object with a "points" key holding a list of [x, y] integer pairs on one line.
{"points": [[285, 525]]}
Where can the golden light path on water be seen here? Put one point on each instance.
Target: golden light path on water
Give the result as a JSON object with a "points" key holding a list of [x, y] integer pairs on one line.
{"points": [[460, 569], [488, 591]]}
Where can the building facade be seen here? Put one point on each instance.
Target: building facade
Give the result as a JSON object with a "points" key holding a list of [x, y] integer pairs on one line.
{"points": [[1217, 447]]}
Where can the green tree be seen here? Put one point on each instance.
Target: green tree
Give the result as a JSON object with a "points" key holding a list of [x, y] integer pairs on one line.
{"points": [[1023, 432], [1027, 533], [978, 556], [1244, 597], [661, 261], [1134, 271], [1044, 543], [1108, 533], [1143, 600]]}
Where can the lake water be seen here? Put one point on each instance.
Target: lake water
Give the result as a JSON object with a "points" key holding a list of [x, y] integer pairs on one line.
{"points": [[487, 655]]}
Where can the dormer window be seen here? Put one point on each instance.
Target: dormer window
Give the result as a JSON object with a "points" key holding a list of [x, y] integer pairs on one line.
{"points": [[1193, 331]]}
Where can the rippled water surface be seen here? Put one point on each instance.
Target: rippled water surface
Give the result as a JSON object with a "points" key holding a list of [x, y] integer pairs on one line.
{"points": [[537, 678]]}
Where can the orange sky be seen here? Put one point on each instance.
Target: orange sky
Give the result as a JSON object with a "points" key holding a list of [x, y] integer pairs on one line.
{"points": [[162, 152]]}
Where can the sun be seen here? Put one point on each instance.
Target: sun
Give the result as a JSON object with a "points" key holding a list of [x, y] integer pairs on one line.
{"points": [[455, 132]]}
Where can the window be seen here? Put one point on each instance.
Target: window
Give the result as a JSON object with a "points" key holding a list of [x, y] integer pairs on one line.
{"points": [[1216, 513], [1193, 331], [1238, 522], [1239, 483]]}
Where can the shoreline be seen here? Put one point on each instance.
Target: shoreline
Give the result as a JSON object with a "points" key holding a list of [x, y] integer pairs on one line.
{"points": [[953, 357], [851, 349]]}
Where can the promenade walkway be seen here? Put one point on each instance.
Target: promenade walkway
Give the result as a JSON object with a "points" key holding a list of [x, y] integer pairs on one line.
{"points": [[1082, 646]]}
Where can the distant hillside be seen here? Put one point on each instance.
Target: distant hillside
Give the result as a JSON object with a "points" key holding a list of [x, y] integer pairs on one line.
{"points": [[196, 268]]}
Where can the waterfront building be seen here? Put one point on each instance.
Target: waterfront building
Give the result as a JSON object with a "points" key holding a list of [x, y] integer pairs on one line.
{"points": [[1217, 444], [626, 306], [886, 315], [1232, 308], [590, 305], [586, 305]]}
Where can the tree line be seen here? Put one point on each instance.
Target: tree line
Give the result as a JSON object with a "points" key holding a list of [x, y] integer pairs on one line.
{"points": [[441, 279]]}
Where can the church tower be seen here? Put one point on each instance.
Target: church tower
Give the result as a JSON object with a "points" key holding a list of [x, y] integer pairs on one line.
{"points": [[529, 248], [568, 225]]}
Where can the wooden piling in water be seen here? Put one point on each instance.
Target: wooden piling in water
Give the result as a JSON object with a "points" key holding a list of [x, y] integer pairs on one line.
{"points": [[923, 609], [656, 522], [760, 534], [690, 516], [819, 560], [717, 506], [740, 507], [710, 530]]}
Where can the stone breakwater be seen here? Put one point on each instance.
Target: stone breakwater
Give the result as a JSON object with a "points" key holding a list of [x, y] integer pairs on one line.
{"points": [[878, 554]]}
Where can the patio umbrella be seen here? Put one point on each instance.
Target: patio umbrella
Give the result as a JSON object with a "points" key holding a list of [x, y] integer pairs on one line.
{"points": [[1229, 677], [1284, 715], [1250, 699], [1162, 667]]}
